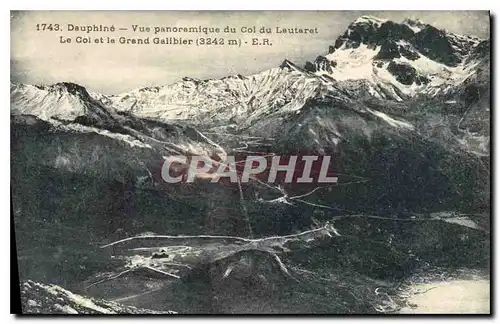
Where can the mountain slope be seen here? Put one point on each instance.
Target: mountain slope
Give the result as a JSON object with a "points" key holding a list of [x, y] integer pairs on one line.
{"points": [[232, 99], [63, 101], [407, 126]]}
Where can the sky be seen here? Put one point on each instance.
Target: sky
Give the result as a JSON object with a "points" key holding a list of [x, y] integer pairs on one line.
{"points": [[38, 57]]}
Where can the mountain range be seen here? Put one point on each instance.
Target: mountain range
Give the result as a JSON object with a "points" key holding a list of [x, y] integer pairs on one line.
{"points": [[374, 60]]}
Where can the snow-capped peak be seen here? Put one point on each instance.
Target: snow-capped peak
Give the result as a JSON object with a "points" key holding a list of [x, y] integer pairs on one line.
{"points": [[369, 19], [415, 24], [63, 101], [290, 65], [404, 59]]}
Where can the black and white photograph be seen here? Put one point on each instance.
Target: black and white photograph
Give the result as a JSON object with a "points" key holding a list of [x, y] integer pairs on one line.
{"points": [[251, 162]]}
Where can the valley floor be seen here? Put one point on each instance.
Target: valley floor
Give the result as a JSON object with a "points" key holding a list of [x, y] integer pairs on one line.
{"points": [[450, 297]]}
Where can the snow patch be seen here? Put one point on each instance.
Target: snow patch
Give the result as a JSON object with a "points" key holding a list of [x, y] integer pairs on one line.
{"points": [[391, 121], [133, 142], [369, 19], [353, 64]]}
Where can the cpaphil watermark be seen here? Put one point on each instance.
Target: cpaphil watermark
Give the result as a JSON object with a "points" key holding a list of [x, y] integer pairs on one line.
{"points": [[286, 169]]}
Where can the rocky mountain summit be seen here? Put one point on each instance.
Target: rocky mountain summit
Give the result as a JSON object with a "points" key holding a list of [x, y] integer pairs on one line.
{"points": [[406, 59]]}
